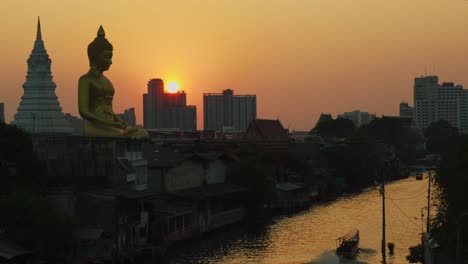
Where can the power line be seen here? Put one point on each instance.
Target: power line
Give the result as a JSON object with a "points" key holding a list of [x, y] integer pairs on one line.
{"points": [[409, 218], [400, 192], [412, 197]]}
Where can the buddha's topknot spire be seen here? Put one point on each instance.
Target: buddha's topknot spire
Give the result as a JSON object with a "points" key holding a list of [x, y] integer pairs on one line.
{"points": [[101, 32]]}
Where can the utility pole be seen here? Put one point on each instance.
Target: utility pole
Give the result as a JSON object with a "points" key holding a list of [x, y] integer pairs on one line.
{"points": [[422, 221], [384, 256], [34, 122], [428, 203]]}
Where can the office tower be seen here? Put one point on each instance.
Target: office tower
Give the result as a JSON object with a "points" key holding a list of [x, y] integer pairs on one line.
{"points": [[128, 116], [406, 110], [163, 110], [226, 111]]}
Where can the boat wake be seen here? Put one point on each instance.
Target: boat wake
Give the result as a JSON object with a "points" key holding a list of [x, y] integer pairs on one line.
{"points": [[330, 257]]}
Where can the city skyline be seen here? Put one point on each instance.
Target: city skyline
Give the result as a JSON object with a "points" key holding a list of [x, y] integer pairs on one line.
{"points": [[321, 56]]}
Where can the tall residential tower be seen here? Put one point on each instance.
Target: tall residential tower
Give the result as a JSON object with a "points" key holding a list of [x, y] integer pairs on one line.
{"points": [[434, 102], [226, 111]]}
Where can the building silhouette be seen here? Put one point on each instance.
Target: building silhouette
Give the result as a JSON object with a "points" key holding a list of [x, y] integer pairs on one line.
{"points": [[163, 110], [128, 116], [434, 102], [226, 111], [39, 110], [406, 110], [2, 112], [77, 124], [359, 118]]}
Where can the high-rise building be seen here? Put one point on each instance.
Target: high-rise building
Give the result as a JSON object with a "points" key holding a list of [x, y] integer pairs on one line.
{"points": [[128, 116], [406, 110], [425, 100], [226, 111], [452, 105], [39, 110], [359, 118], [163, 110], [434, 102], [2, 112]]}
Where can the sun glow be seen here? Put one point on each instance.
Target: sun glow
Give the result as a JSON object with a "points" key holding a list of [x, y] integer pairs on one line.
{"points": [[172, 87]]}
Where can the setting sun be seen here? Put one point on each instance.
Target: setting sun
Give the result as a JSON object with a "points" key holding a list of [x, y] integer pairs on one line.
{"points": [[172, 87]]}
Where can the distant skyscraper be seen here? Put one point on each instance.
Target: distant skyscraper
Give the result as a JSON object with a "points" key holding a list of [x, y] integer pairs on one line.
{"points": [[2, 112], [128, 116], [425, 100], [406, 110], [359, 118], [225, 110], [163, 110], [434, 102], [39, 110], [76, 123]]}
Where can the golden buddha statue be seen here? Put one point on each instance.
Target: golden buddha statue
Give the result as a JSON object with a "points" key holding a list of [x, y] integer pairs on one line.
{"points": [[95, 94]]}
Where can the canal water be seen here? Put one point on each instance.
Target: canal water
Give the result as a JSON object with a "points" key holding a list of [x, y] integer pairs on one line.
{"points": [[309, 236]]}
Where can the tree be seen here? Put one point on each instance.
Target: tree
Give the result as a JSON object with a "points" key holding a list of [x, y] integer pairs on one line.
{"points": [[339, 128], [416, 254], [451, 182], [19, 165], [439, 135], [28, 216]]}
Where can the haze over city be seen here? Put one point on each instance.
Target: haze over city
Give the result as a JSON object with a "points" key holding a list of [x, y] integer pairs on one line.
{"points": [[300, 58]]}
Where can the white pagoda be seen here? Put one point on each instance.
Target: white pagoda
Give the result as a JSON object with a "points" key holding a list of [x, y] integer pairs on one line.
{"points": [[39, 110]]}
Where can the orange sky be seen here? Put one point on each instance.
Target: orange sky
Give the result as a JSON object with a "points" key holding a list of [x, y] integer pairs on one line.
{"points": [[300, 57]]}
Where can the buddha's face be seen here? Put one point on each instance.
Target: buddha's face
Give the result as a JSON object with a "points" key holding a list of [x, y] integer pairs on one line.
{"points": [[104, 60]]}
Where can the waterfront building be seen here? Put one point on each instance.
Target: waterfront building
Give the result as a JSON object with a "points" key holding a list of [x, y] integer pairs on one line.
{"points": [[128, 116], [39, 110], [162, 110], [406, 110], [228, 112], [2, 112], [359, 118], [434, 102]]}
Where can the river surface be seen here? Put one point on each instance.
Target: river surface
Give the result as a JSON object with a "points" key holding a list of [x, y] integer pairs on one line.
{"points": [[309, 236]]}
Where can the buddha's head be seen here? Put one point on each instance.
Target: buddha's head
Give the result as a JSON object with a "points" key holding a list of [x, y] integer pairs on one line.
{"points": [[100, 51]]}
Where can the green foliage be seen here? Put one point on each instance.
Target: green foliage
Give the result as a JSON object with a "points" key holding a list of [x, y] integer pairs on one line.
{"points": [[338, 128], [249, 172], [354, 163], [439, 136], [390, 131], [451, 181], [416, 254], [45, 228], [18, 163], [24, 208]]}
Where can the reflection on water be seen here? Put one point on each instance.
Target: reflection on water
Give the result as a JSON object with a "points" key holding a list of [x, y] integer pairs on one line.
{"points": [[309, 237]]}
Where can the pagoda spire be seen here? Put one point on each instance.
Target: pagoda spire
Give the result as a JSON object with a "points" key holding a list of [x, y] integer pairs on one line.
{"points": [[38, 34]]}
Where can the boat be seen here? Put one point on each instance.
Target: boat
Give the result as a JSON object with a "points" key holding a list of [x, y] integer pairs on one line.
{"points": [[348, 245], [419, 176]]}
